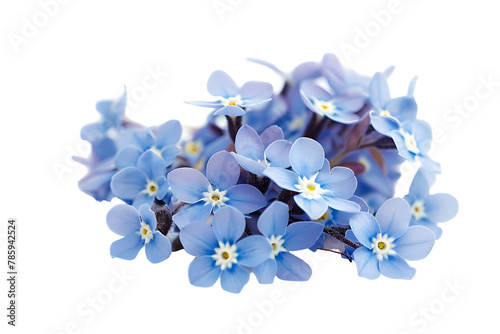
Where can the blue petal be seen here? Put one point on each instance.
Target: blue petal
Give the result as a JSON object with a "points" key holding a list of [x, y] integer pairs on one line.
{"points": [[253, 250], [163, 187], [124, 219], [230, 111], [423, 136], [223, 170], [158, 249], [292, 268], [151, 164], [221, 84], [401, 146], [256, 91], [249, 165], [278, 153], [198, 239], [206, 104], [142, 198], [340, 203], [282, 177], [379, 91], [438, 231], [266, 271], [384, 124], [366, 263], [188, 184], [306, 157], [350, 103], [365, 227], [271, 134], [144, 139], [307, 70], [198, 212], [310, 90], [169, 133], [302, 235], [441, 207], [128, 247], [394, 217], [341, 182], [245, 198], [396, 267], [128, 182], [127, 156], [343, 118], [314, 207], [274, 220], [234, 279], [228, 224], [421, 184], [415, 244], [203, 272], [147, 216], [169, 154], [403, 108], [248, 143]]}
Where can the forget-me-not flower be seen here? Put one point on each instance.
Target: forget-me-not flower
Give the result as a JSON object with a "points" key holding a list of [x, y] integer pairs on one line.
{"points": [[388, 240], [219, 253], [142, 183], [138, 229], [272, 224], [233, 99], [318, 188], [218, 189], [256, 153], [426, 209]]}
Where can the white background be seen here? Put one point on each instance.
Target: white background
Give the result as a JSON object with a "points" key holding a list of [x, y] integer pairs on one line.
{"points": [[88, 50]]}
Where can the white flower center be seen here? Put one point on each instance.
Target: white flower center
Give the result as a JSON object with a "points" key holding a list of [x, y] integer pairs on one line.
{"points": [[232, 101], [418, 210], [263, 162], [277, 244], [225, 255], [145, 232], [112, 133], [295, 124], [411, 143], [309, 187], [215, 197], [365, 162], [155, 151], [328, 107], [151, 188], [383, 246], [385, 113], [193, 148]]}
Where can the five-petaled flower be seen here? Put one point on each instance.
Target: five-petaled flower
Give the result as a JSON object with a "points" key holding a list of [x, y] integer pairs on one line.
{"points": [[221, 253], [218, 189], [138, 231], [318, 188], [234, 100], [387, 240]]}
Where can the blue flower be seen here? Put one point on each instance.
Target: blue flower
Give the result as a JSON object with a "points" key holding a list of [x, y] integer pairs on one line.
{"points": [[138, 230], [232, 99], [142, 183], [426, 209], [272, 224], [318, 187], [218, 189], [162, 144], [338, 108], [256, 153], [413, 141], [219, 253], [388, 241], [389, 113]]}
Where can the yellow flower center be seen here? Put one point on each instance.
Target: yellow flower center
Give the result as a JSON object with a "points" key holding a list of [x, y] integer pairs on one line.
{"points": [[311, 187], [381, 245], [322, 217], [274, 246], [152, 188], [225, 255], [215, 198]]}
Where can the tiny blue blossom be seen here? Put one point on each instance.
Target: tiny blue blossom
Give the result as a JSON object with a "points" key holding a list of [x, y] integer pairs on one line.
{"points": [[388, 240], [232, 99], [220, 253], [138, 229]]}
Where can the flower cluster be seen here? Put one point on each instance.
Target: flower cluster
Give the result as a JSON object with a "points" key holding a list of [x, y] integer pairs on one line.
{"points": [[310, 165]]}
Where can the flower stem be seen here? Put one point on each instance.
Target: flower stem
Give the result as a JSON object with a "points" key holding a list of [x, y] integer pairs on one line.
{"points": [[339, 234]]}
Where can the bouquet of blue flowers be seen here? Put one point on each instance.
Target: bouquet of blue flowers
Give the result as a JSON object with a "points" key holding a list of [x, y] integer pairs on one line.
{"points": [[310, 166]]}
